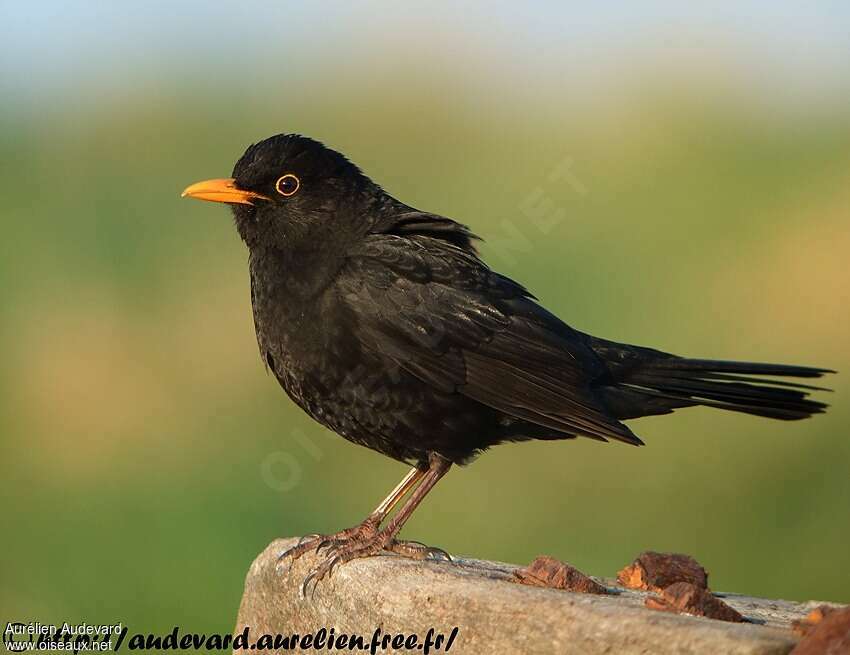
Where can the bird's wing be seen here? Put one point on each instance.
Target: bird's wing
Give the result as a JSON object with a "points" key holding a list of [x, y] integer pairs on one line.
{"points": [[416, 223], [441, 314]]}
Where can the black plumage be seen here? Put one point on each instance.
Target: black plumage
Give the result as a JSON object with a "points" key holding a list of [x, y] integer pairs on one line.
{"points": [[383, 324]]}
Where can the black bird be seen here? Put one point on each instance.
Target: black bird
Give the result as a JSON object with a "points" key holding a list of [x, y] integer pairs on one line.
{"points": [[383, 324]]}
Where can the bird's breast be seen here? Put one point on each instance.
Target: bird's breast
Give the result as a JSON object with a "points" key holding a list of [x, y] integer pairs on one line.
{"points": [[364, 395]]}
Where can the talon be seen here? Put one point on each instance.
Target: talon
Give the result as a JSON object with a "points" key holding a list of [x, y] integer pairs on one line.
{"points": [[325, 543], [308, 537], [287, 553], [437, 553], [331, 564], [360, 541], [299, 548], [418, 550], [440, 553], [306, 583], [315, 586]]}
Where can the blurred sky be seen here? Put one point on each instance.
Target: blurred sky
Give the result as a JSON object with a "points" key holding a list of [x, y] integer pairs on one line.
{"points": [[792, 47]]}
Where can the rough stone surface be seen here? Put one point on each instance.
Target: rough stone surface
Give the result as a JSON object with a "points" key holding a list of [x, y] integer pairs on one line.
{"points": [[493, 613]]}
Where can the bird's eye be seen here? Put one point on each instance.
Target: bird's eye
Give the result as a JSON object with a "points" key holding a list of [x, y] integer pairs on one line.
{"points": [[287, 185]]}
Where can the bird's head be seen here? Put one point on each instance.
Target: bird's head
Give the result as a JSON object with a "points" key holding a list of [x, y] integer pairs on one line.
{"points": [[289, 190]]}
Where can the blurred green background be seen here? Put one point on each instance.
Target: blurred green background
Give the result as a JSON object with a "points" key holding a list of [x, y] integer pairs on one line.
{"points": [[147, 456]]}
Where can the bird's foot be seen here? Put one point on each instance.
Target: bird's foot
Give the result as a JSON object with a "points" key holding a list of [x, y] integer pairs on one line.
{"points": [[342, 551], [316, 542], [417, 550]]}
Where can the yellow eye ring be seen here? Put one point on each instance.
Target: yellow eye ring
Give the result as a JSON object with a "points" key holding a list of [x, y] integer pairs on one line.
{"points": [[287, 185]]}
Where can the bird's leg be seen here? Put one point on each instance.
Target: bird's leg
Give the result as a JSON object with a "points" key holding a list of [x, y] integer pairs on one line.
{"points": [[368, 527], [372, 544]]}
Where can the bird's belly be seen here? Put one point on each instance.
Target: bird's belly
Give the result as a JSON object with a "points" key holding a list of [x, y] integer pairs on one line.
{"points": [[373, 402]]}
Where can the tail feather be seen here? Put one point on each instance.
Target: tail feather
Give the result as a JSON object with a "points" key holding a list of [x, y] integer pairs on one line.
{"points": [[673, 363], [767, 381], [648, 382]]}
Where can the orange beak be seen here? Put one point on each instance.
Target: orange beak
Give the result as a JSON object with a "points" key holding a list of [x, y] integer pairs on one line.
{"points": [[223, 190]]}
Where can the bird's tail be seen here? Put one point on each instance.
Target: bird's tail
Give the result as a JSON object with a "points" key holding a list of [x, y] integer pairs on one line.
{"points": [[648, 382]]}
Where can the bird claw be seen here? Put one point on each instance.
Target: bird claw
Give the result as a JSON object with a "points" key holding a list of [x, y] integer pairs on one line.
{"points": [[418, 550], [318, 542], [331, 564], [304, 544], [306, 583], [363, 540], [341, 551], [309, 537], [326, 543]]}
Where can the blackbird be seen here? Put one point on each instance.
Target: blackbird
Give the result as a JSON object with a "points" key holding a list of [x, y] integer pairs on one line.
{"points": [[383, 324]]}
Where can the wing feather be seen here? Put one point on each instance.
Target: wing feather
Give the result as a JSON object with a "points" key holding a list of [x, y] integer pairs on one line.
{"points": [[441, 314]]}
